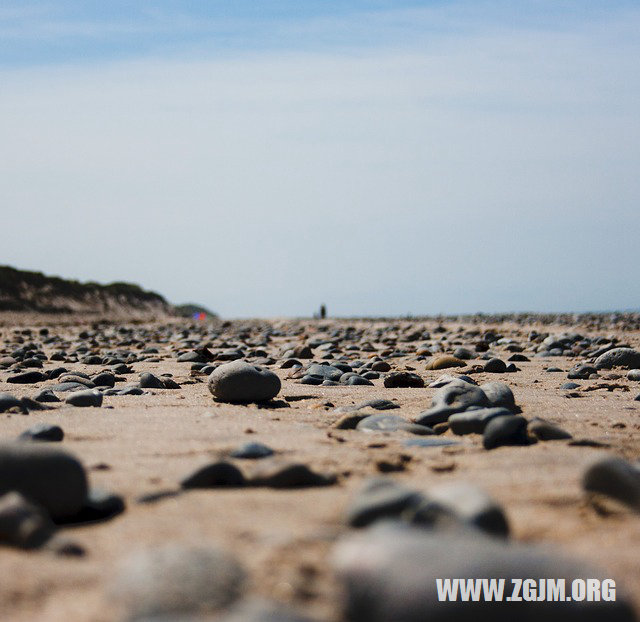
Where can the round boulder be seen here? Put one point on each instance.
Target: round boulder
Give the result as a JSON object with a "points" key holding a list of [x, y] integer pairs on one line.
{"points": [[240, 382]]}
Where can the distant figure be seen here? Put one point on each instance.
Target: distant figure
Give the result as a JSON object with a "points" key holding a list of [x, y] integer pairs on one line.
{"points": [[323, 312]]}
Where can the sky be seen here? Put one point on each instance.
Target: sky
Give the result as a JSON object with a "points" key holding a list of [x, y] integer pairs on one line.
{"points": [[380, 157]]}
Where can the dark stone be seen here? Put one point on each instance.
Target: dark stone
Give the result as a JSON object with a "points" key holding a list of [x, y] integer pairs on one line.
{"points": [[28, 377], [216, 475], [508, 430], [500, 395], [42, 432], [47, 396], [454, 397], [495, 366], [288, 475], [475, 421], [403, 379], [105, 379], [149, 381], [618, 357], [8, 401], [84, 399], [52, 478], [546, 431], [380, 499]]}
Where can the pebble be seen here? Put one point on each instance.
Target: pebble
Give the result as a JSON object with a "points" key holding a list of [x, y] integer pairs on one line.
{"points": [[105, 379], [22, 523], [326, 372], [46, 396], [99, 505], [391, 423], [42, 432], [545, 431], [28, 377], [633, 374], [252, 451], [380, 498], [216, 475], [581, 372], [50, 477], [500, 394], [240, 382], [150, 381], [452, 398], [8, 401], [403, 379], [495, 366], [569, 386], [84, 399], [273, 474], [616, 478], [389, 572], [475, 421], [177, 579], [618, 357], [429, 442], [444, 362], [507, 430]]}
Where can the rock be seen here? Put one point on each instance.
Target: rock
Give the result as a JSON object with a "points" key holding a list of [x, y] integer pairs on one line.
{"points": [[634, 375], [495, 366], [8, 401], [618, 357], [444, 362], [471, 505], [452, 398], [42, 432], [429, 441], [380, 498], [149, 381], [252, 451], [500, 395], [105, 379], [100, 505], [391, 423], [46, 396], [22, 523], [177, 579], [390, 572], [68, 387], [463, 354], [326, 372], [545, 431], [84, 399], [216, 475], [581, 372], [616, 478], [569, 386], [403, 379], [349, 421], [275, 474], [508, 430], [375, 404], [28, 377], [49, 477], [446, 379], [239, 382], [475, 421]]}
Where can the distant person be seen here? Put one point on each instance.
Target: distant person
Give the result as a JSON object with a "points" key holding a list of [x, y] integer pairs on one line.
{"points": [[323, 312]]}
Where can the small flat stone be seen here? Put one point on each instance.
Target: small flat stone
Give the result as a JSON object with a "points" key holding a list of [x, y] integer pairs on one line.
{"points": [[46, 396], [252, 451], [495, 366], [28, 377], [475, 421], [429, 442], [83, 399], [391, 423]]}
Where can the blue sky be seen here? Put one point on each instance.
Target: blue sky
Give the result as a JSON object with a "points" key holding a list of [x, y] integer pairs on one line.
{"points": [[380, 157]]}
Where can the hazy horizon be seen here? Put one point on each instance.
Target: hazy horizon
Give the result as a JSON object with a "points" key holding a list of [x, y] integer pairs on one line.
{"points": [[383, 158]]}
